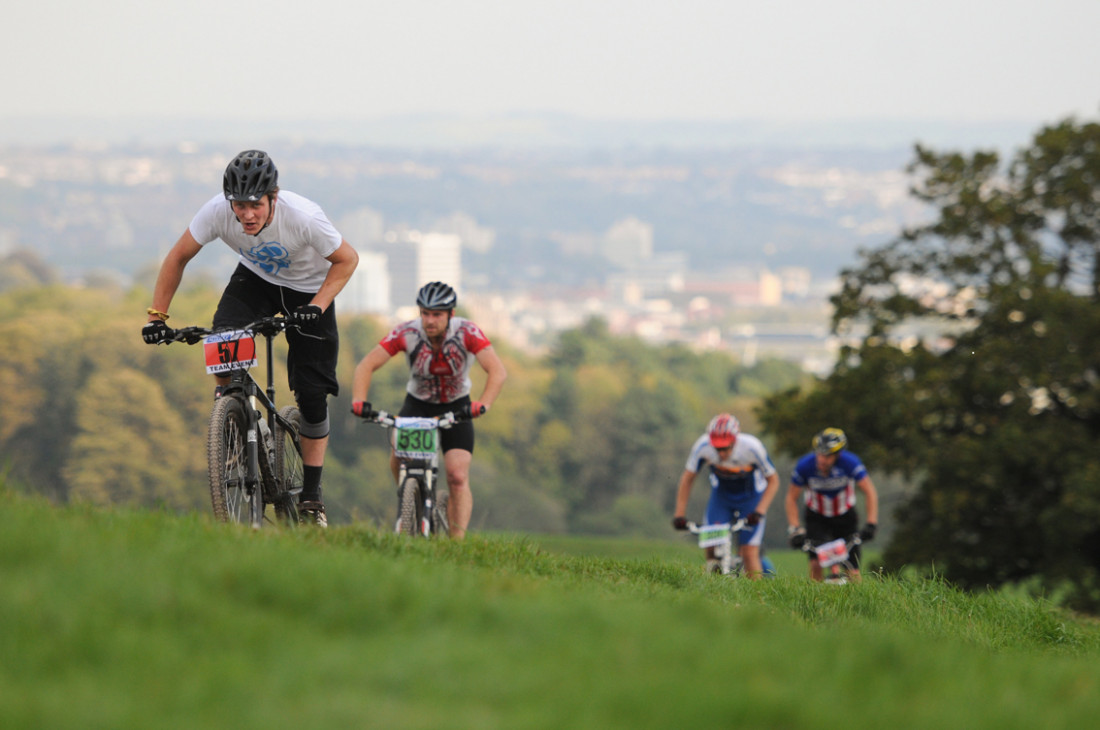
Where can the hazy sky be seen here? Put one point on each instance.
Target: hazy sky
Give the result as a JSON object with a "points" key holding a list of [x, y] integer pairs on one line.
{"points": [[968, 60]]}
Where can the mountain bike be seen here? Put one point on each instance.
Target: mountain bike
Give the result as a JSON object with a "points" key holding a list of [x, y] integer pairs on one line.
{"points": [[835, 558], [415, 443], [720, 537], [252, 461]]}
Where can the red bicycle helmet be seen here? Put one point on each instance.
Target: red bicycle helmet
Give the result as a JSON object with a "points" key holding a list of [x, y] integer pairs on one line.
{"points": [[723, 430]]}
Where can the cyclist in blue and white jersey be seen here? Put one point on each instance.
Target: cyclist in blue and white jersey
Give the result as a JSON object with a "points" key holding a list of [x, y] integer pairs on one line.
{"points": [[830, 475], [743, 480]]}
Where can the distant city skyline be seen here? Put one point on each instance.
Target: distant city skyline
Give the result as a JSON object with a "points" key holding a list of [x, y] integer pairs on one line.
{"points": [[799, 62]]}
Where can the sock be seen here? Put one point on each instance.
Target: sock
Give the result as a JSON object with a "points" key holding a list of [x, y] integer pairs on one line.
{"points": [[311, 486]]}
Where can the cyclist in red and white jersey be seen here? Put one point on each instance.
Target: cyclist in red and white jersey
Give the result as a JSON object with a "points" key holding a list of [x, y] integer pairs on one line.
{"points": [[440, 348], [830, 475]]}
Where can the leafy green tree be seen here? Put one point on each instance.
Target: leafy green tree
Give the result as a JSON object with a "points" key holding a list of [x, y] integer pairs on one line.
{"points": [[130, 447], [973, 366]]}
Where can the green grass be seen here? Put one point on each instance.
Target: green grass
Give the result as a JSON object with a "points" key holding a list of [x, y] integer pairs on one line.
{"points": [[119, 619]]}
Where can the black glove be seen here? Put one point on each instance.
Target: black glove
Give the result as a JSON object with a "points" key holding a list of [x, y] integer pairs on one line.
{"points": [[754, 519], [156, 332], [307, 315], [362, 409], [798, 540], [868, 532], [680, 523]]}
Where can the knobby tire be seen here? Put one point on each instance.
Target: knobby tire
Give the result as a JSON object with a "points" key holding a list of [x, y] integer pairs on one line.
{"points": [[227, 465], [409, 507], [289, 471]]}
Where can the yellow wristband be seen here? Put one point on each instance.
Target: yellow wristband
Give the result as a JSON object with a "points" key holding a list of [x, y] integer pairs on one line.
{"points": [[163, 315]]}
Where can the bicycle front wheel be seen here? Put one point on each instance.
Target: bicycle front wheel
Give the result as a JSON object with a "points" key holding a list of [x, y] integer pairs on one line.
{"points": [[227, 465], [409, 507], [289, 471]]}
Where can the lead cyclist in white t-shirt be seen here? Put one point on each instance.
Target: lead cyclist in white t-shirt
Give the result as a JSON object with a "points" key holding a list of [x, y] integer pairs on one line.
{"points": [[291, 261]]}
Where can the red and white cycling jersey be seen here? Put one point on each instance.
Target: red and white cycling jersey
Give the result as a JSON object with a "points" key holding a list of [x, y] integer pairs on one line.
{"points": [[443, 375]]}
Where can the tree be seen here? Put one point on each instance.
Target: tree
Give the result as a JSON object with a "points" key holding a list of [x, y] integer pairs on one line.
{"points": [[972, 366]]}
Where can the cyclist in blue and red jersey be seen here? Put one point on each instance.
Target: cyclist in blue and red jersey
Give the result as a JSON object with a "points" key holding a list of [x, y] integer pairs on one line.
{"points": [[830, 475], [743, 480], [441, 348]]}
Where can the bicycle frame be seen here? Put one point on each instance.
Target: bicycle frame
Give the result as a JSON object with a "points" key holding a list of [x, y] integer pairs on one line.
{"points": [[721, 537], [418, 465], [264, 480], [835, 558]]}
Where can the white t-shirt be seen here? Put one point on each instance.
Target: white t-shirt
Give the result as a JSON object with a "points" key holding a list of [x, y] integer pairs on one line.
{"points": [[289, 252], [745, 470]]}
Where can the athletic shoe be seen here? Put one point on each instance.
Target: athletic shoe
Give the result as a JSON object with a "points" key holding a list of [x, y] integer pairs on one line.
{"points": [[312, 513]]}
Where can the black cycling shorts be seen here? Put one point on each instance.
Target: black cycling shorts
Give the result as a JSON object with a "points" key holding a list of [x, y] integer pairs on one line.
{"points": [[820, 529], [458, 436], [311, 356]]}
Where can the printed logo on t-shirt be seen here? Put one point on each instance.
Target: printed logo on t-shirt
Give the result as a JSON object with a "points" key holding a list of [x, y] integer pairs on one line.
{"points": [[270, 256]]}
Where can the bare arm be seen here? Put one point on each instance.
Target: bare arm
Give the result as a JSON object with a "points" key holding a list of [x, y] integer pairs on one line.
{"points": [[870, 494], [343, 260], [360, 384], [791, 505], [171, 271], [769, 494], [494, 368], [683, 493]]}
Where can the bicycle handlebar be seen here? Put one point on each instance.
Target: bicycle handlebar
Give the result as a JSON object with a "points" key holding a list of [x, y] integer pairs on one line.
{"points": [[447, 420], [740, 524], [266, 326], [852, 541]]}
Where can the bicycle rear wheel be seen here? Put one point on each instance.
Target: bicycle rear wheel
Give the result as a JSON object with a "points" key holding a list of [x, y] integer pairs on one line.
{"points": [[409, 507], [227, 465], [289, 471]]}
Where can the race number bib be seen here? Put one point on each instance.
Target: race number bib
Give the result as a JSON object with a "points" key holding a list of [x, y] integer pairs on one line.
{"points": [[227, 351], [831, 553], [714, 535], [415, 438]]}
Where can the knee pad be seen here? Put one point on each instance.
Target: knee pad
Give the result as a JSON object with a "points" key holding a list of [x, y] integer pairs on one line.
{"points": [[314, 410]]}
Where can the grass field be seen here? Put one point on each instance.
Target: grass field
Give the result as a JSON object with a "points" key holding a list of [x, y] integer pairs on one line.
{"points": [[119, 619]]}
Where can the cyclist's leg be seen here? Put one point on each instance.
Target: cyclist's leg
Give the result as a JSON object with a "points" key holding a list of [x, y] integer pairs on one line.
{"points": [[720, 510], [245, 299], [750, 539], [818, 531], [458, 452], [848, 525], [311, 372], [461, 503]]}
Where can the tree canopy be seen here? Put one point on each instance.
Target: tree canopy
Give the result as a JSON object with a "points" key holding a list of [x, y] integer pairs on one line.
{"points": [[971, 366]]}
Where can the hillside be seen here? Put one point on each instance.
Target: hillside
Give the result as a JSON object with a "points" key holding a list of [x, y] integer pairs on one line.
{"points": [[124, 619]]}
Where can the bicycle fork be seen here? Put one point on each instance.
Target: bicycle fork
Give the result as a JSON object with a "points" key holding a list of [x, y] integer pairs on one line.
{"points": [[258, 445]]}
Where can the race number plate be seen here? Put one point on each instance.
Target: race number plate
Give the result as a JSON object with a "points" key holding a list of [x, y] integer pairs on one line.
{"points": [[414, 438], [714, 535], [831, 553], [227, 351]]}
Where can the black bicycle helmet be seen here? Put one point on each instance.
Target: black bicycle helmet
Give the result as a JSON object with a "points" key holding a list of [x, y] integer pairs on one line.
{"points": [[250, 176], [436, 295], [829, 441]]}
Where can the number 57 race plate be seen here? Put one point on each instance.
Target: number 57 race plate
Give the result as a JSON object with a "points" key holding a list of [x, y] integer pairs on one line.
{"points": [[227, 351]]}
